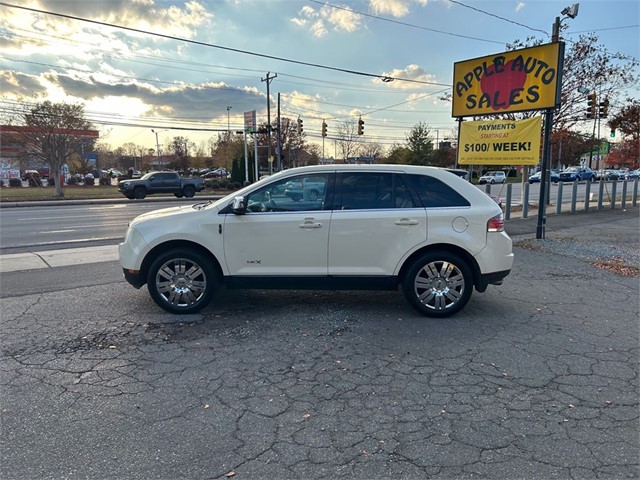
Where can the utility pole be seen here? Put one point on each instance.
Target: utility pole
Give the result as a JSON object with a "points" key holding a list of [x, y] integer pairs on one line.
{"points": [[268, 80], [228, 124]]}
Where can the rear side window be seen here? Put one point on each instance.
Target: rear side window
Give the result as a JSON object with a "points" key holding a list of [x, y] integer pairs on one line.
{"points": [[373, 190], [435, 193]]}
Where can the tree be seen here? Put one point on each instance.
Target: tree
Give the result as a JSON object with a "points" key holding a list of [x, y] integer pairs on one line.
{"points": [[420, 144], [627, 123], [589, 67], [55, 134], [400, 155], [371, 149], [347, 139]]}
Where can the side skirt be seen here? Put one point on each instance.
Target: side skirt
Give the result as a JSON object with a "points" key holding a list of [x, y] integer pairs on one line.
{"points": [[313, 283]]}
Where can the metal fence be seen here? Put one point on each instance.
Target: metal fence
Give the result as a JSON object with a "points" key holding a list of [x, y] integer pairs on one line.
{"points": [[595, 195]]}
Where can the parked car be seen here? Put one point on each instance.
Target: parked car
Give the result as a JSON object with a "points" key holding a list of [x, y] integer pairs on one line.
{"points": [[29, 174], [306, 188], [217, 173], [577, 174], [623, 173], [375, 227], [160, 182], [493, 177], [553, 176], [633, 174]]}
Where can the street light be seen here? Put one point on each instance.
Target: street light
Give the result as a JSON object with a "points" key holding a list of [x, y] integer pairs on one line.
{"points": [[228, 122], [158, 144]]}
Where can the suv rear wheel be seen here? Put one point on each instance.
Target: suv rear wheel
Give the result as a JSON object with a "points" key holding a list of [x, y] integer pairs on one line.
{"points": [[182, 281], [438, 284]]}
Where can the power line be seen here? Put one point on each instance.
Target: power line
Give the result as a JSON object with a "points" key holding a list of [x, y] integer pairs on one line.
{"points": [[484, 12], [384, 78], [405, 23]]}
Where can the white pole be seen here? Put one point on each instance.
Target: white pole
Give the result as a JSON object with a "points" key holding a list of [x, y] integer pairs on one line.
{"points": [[255, 145], [246, 159]]}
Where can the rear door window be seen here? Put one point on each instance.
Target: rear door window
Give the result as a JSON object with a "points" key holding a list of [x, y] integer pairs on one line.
{"points": [[435, 193]]}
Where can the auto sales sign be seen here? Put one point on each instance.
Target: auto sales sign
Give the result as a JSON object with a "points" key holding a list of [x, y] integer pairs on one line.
{"points": [[514, 81]]}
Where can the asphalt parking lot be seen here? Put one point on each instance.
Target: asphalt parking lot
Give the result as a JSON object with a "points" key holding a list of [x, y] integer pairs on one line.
{"points": [[537, 378]]}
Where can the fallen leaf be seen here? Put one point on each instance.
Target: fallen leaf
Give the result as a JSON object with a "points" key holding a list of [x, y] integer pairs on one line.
{"points": [[206, 405], [306, 416], [230, 474]]}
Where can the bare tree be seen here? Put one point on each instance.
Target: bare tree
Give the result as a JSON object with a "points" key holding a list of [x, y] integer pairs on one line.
{"points": [[54, 134], [347, 139], [371, 149]]}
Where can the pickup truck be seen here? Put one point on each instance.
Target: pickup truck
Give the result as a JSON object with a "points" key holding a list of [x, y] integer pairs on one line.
{"points": [[160, 182]]}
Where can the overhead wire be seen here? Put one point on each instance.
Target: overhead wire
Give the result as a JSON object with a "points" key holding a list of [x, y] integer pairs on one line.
{"points": [[384, 78]]}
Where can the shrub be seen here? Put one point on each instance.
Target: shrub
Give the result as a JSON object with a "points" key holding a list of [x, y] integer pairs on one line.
{"points": [[15, 182], [230, 186], [89, 181], [212, 184], [236, 185], [73, 180], [105, 181]]}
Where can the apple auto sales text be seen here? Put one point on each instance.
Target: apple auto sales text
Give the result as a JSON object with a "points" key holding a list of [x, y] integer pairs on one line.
{"points": [[499, 99]]}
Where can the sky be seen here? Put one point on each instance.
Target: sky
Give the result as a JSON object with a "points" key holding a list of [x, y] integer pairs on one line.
{"points": [[192, 68]]}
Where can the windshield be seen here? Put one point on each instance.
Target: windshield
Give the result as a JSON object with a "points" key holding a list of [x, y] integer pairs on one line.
{"points": [[572, 169]]}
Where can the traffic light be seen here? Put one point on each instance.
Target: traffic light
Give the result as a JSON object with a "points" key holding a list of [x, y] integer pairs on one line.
{"points": [[591, 105], [361, 127], [324, 128], [300, 126], [613, 133], [604, 109]]}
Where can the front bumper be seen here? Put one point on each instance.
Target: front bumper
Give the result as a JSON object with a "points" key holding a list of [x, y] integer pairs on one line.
{"points": [[133, 277]]}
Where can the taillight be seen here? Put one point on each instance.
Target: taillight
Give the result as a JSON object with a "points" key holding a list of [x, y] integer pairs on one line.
{"points": [[496, 224]]}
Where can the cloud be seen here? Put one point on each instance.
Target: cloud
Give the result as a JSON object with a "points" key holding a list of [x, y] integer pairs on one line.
{"points": [[327, 18], [519, 6], [395, 8]]}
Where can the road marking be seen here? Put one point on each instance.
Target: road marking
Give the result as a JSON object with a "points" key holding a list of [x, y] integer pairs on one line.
{"points": [[58, 231]]}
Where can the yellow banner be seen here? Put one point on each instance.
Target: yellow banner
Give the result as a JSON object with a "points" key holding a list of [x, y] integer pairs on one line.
{"points": [[500, 142], [515, 81]]}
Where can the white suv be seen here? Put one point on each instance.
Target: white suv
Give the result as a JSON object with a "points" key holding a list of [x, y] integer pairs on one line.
{"points": [[493, 177], [374, 227]]}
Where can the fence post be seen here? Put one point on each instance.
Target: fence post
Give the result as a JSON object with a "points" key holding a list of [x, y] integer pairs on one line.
{"points": [[587, 194], [600, 194], [507, 212], [559, 201], [574, 196]]}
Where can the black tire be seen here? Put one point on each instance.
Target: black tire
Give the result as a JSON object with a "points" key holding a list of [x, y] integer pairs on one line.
{"points": [[130, 197], [182, 281], [179, 195], [438, 284], [492, 181], [139, 193], [189, 191]]}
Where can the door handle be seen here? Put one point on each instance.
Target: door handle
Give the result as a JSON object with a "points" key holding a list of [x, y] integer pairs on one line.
{"points": [[310, 223], [406, 221]]}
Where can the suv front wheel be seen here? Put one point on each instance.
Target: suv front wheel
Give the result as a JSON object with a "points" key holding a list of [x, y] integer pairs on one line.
{"points": [[438, 284], [182, 281]]}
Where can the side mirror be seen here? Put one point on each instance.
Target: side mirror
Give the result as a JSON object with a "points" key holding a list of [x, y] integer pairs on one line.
{"points": [[239, 206]]}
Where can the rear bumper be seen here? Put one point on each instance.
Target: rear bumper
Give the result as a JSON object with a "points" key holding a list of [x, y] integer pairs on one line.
{"points": [[493, 278]]}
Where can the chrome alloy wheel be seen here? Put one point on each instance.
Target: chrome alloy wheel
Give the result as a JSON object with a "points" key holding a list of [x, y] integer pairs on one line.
{"points": [[439, 285], [180, 282]]}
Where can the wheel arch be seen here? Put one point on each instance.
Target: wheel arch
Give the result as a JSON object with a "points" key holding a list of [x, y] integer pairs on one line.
{"points": [[174, 244], [446, 247]]}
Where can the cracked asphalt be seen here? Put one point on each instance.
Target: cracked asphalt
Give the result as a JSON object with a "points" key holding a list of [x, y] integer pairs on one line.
{"points": [[537, 378]]}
